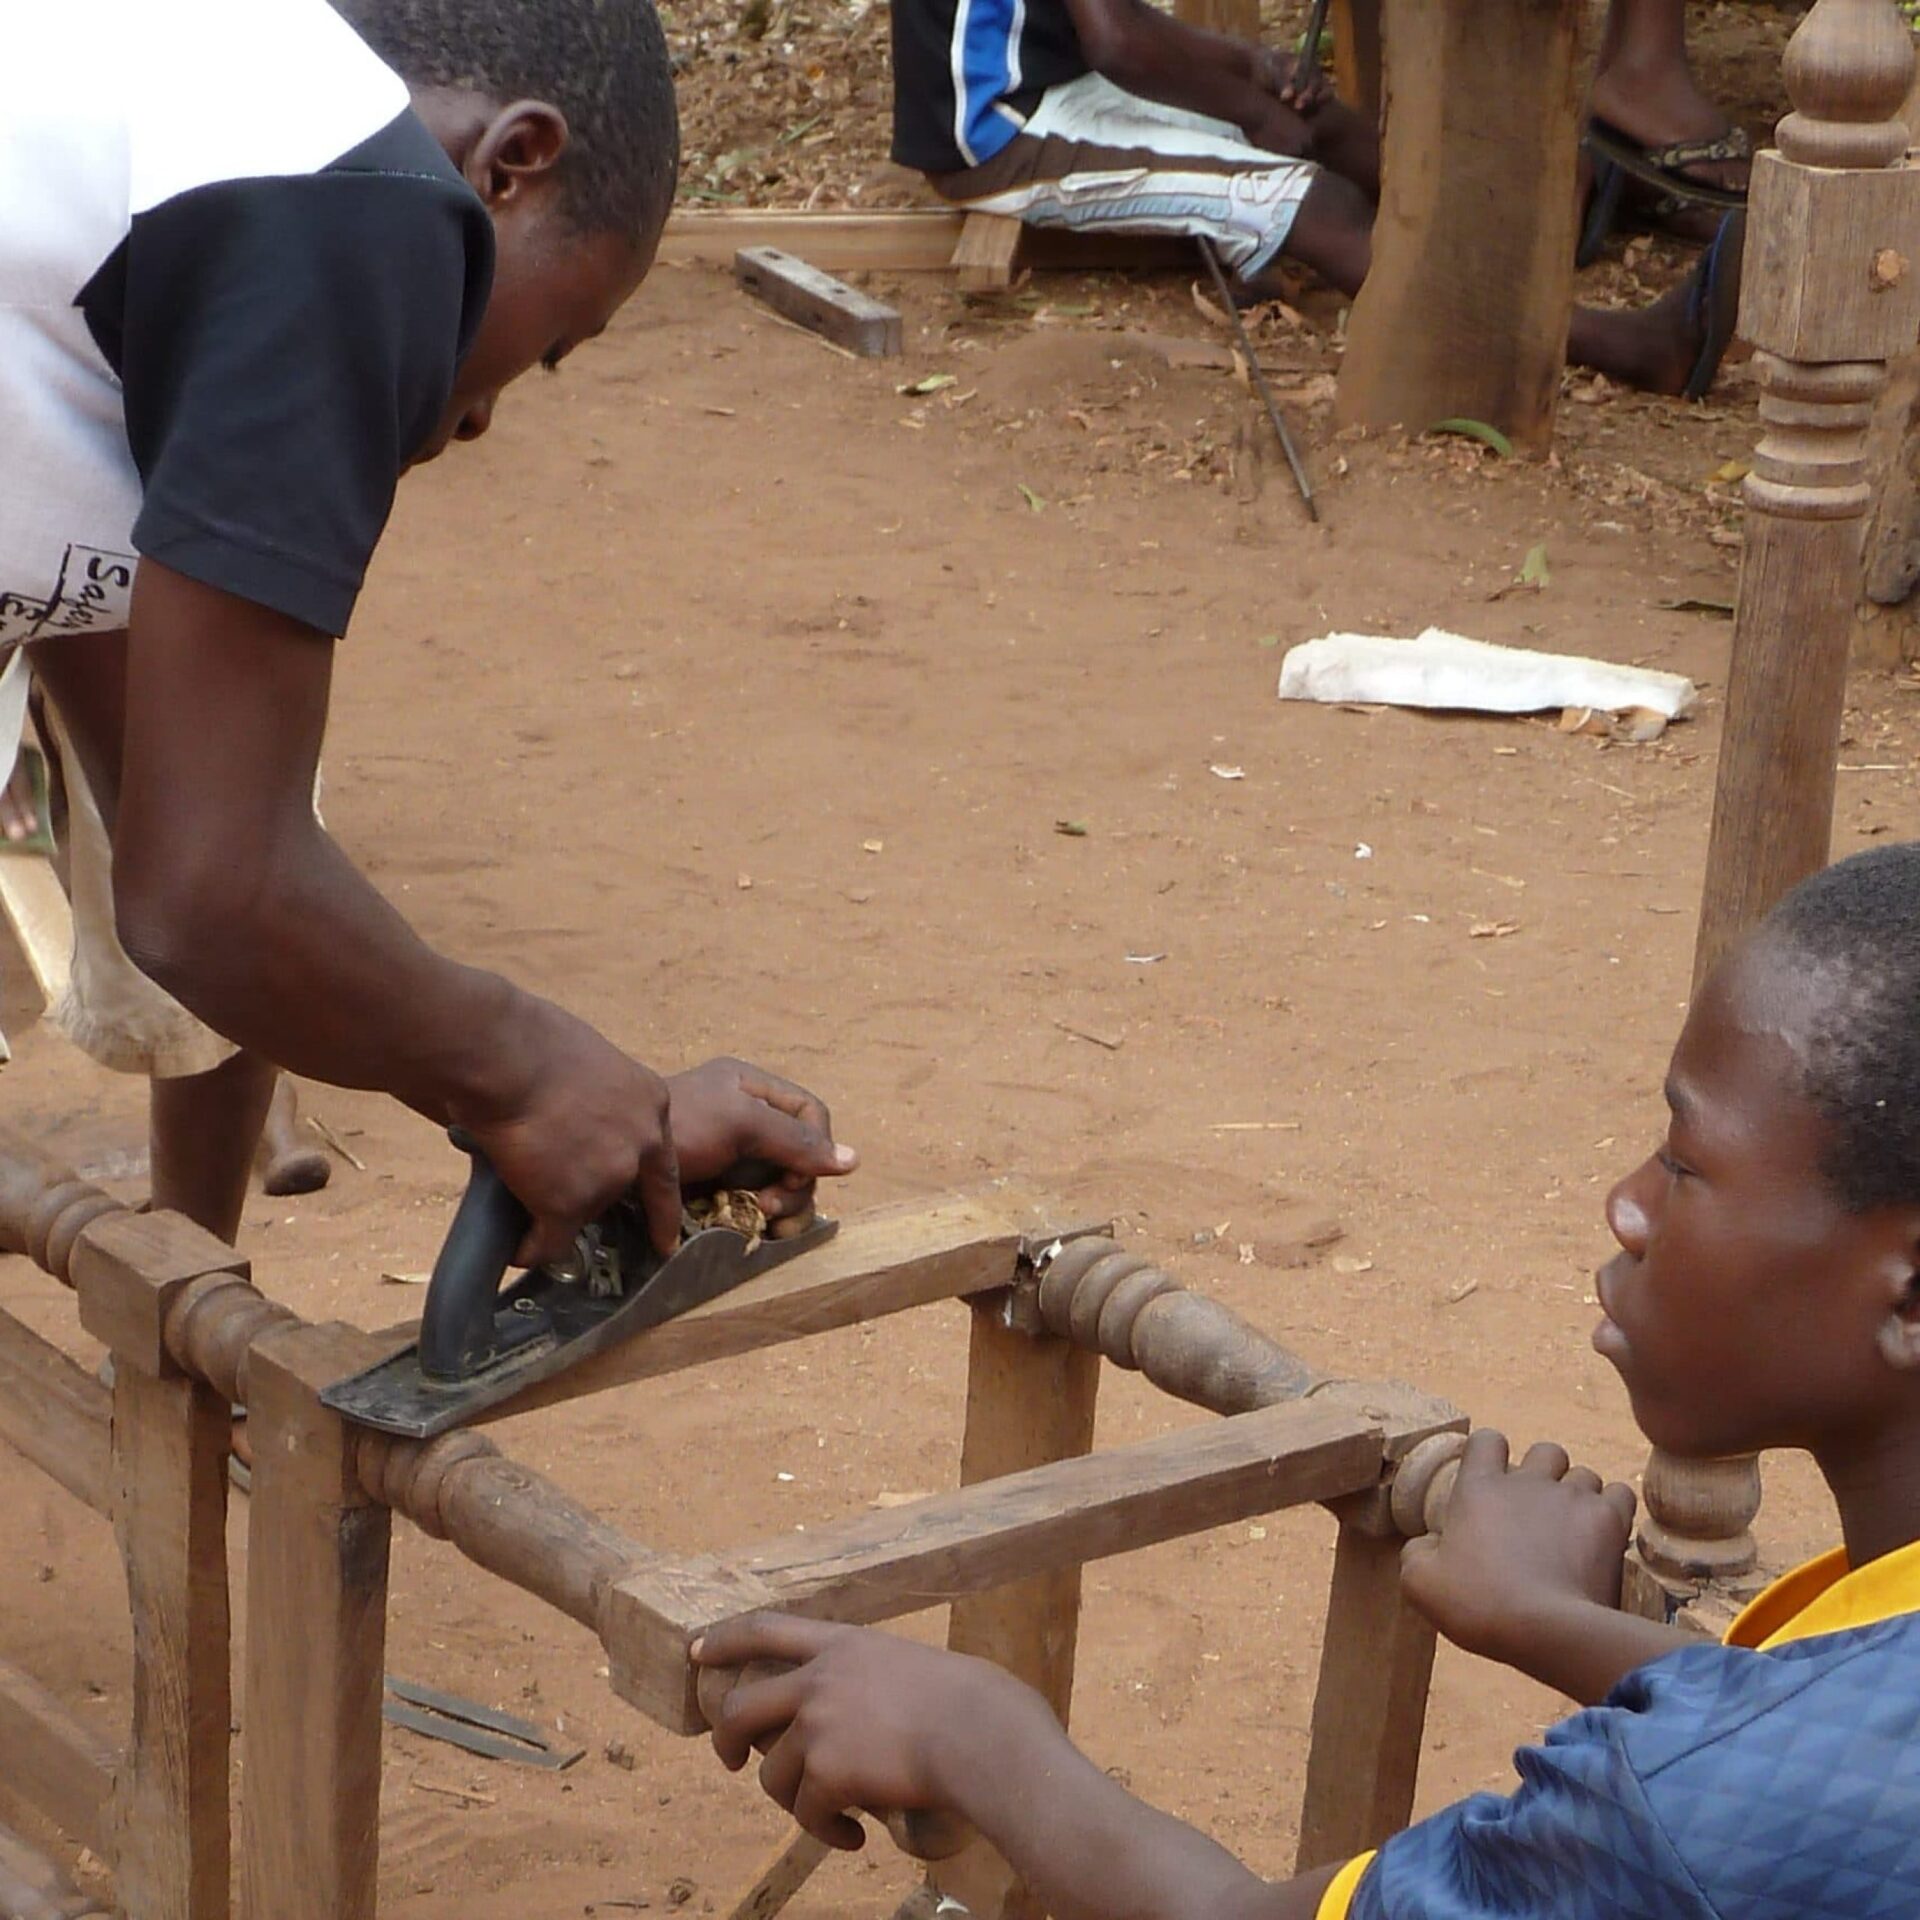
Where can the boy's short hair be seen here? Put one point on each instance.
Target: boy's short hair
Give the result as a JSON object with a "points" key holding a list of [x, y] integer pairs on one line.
{"points": [[1856, 927], [603, 63]]}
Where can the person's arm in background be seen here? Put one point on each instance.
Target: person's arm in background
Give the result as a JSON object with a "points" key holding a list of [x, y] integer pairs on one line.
{"points": [[1147, 52], [232, 896], [865, 1719]]}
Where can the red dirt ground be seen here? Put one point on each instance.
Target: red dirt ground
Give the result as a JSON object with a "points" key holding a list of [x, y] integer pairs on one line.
{"points": [[733, 697]]}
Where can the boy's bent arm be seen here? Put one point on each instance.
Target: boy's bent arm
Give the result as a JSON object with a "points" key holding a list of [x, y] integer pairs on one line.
{"points": [[231, 895], [1148, 52], [1091, 1851], [863, 1719]]}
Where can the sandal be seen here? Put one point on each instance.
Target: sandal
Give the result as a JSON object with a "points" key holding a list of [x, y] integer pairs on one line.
{"points": [[1714, 302], [1618, 159]]}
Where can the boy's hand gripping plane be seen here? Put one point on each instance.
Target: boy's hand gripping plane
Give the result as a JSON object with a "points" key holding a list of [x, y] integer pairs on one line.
{"points": [[481, 1343]]}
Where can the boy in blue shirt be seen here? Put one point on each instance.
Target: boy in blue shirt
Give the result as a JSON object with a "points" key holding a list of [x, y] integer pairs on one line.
{"points": [[1767, 1294]]}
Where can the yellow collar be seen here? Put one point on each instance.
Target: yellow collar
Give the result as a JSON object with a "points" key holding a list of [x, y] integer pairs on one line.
{"points": [[1824, 1596]]}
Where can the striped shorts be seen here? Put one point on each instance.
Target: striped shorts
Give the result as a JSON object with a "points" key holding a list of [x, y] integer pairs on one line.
{"points": [[1093, 157]]}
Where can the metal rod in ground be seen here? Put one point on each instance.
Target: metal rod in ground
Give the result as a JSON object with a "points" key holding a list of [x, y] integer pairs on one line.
{"points": [[1309, 60], [1259, 379]]}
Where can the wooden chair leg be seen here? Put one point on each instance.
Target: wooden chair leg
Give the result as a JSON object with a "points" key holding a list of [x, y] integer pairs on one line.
{"points": [[170, 1846], [1030, 1399], [316, 1635], [1466, 309], [1356, 54], [1370, 1707], [985, 256]]}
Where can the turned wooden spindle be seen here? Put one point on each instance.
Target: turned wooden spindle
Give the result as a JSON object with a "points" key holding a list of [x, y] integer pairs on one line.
{"points": [[44, 1205], [1096, 1294], [502, 1516], [511, 1521], [1830, 293]]}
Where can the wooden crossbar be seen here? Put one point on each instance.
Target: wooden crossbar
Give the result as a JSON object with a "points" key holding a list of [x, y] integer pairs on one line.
{"points": [[54, 1413], [877, 1566], [57, 1763], [190, 1334]]}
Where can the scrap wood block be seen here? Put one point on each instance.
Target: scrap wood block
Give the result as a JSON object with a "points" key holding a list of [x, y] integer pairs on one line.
{"points": [[877, 1566], [987, 251], [819, 302]]}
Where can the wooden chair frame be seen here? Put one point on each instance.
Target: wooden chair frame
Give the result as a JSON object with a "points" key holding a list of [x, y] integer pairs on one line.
{"points": [[190, 1335]]}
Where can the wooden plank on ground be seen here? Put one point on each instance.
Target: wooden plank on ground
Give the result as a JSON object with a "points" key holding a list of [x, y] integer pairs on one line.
{"points": [[54, 1413], [877, 1566], [905, 240], [987, 252], [171, 1852], [54, 1761], [1466, 307], [42, 922], [820, 303], [1030, 1399], [881, 1261]]}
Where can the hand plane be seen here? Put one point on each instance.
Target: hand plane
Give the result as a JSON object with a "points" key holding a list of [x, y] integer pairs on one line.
{"points": [[481, 1343]]}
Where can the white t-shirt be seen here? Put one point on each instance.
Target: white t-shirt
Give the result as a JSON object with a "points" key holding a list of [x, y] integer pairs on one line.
{"points": [[236, 278]]}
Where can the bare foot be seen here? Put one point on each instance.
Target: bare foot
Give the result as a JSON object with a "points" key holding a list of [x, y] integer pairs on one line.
{"points": [[1659, 105], [19, 808], [1661, 345], [1653, 348], [286, 1163]]}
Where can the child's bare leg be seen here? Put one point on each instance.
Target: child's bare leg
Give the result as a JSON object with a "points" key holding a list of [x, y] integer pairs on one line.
{"points": [[1644, 84], [1347, 143], [286, 1162], [1333, 232], [1649, 347], [1652, 348], [204, 1128]]}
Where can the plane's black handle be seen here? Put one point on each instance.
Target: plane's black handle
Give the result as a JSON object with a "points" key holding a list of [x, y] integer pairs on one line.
{"points": [[456, 1324]]}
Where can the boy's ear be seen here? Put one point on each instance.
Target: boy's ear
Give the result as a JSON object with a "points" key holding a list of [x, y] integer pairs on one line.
{"points": [[518, 149], [1899, 1330]]}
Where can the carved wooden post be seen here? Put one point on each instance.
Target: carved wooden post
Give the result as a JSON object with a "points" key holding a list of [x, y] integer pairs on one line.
{"points": [[1831, 293], [1466, 307]]}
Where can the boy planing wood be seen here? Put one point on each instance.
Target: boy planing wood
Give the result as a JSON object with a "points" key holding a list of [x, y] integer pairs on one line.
{"points": [[258, 258]]}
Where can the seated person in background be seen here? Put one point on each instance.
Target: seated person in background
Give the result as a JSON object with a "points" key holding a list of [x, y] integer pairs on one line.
{"points": [[284, 253], [1112, 114], [1767, 1295], [1656, 141]]}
